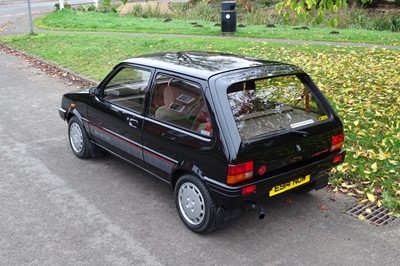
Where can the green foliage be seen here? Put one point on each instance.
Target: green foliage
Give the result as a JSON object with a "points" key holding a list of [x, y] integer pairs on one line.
{"points": [[94, 21], [202, 10], [369, 3], [361, 19], [107, 7], [397, 2], [335, 14], [86, 8], [148, 11], [66, 5], [311, 11], [248, 12]]}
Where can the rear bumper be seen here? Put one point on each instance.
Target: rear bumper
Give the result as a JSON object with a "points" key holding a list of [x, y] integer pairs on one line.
{"points": [[230, 197]]}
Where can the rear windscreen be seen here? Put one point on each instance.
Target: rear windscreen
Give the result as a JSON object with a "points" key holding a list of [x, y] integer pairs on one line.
{"points": [[267, 105]]}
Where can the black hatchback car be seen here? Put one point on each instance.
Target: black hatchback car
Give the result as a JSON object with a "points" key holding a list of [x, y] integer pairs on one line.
{"points": [[222, 130]]}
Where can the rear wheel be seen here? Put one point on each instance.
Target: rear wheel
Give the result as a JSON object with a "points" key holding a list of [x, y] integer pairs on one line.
{"points": [[78, 138], [195, 205]]}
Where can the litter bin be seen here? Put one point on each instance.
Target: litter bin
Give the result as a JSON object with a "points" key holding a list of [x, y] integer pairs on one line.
{"points": [[228, 17]]}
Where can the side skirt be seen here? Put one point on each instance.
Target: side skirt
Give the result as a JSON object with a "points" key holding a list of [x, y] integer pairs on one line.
{"points": [[97, 146]]}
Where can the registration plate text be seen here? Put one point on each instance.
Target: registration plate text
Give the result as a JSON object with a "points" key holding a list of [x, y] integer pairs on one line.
{"points": [[289, 185]]}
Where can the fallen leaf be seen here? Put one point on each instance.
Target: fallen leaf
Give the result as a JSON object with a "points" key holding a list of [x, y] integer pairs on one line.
{"points": [[378, 189], [374, 167], [368, 210], [323, 207], [371, 197], [288, 201], [359, 191], [361, 217]]}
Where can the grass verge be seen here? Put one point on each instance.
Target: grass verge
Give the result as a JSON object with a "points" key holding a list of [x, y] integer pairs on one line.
{"points": [[94, 21], [361, 84]]}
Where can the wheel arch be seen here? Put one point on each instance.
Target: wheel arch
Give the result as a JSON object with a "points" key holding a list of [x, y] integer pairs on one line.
{"points": [[73, 112], [182, 169]]}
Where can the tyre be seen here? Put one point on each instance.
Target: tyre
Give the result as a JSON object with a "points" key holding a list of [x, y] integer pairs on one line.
{"points": [[78, 138], [195, 205]]}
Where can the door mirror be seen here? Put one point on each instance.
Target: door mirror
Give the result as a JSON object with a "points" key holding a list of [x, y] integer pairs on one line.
{"points": [[93, 91]]}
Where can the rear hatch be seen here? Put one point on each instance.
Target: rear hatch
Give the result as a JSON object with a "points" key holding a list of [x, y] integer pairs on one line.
{"points": [[284, 122]]}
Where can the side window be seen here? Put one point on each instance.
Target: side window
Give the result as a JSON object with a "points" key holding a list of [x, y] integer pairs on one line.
{"points": [[128, 88], [180, 103]]}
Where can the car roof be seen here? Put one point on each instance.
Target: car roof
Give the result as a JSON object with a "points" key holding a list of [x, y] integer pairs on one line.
{"points": [[205, 64]]}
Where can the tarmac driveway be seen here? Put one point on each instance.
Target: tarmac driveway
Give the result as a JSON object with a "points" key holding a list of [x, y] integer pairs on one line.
{"points": [[56, 209]]}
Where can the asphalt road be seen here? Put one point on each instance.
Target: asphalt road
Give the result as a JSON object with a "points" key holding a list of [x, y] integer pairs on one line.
{"points": [[13, 9], [56, 209]]}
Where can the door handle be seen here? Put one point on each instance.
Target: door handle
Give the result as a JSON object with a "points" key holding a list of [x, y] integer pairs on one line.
{"points": [[168, 136], [133, 122]]}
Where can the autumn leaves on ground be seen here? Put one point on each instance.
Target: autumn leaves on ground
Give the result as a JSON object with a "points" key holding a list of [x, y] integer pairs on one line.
{"points": [[363, 85]]}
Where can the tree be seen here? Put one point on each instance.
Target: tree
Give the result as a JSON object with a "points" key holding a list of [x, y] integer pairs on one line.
{"points": [[312, 10]]}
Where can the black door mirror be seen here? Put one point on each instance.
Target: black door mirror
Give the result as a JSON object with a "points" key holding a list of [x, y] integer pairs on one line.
{"points": [[93, 91]]}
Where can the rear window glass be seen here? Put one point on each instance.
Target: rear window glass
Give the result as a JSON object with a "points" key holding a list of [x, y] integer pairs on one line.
{"points": [[267, 105]]}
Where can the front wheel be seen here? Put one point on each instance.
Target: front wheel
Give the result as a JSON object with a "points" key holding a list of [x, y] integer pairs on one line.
{"points": [[78, 138], [195, 205]]}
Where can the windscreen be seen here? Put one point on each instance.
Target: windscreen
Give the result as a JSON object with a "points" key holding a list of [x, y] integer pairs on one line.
{"points": [[267, 105]]}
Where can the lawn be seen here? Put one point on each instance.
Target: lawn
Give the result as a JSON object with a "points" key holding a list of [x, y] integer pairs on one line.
{"points": [[94, 21], [362, 85]]}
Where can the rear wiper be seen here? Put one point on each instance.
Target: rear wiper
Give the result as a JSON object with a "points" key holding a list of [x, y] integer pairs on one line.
{"points": [[300, 132]]}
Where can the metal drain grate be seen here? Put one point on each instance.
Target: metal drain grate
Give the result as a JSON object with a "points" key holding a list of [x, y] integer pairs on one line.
{"points": [[378, 215]]}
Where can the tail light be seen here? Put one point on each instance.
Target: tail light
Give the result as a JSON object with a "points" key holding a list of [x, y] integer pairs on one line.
{"points": [[337, 142], [240, 172]]}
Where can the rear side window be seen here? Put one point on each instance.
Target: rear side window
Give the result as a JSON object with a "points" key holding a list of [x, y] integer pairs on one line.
{"points": [[267, 105], [180, 103]]}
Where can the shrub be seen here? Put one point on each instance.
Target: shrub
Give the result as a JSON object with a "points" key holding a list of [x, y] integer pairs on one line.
{"points": [[359, 18], [66, 6], [107, 7], [369, 3], [149, 10], [201, 10], [86, 8]]}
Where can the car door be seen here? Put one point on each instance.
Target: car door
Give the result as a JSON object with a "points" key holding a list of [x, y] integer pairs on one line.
{"points": [[116, 113], [177, 131]]}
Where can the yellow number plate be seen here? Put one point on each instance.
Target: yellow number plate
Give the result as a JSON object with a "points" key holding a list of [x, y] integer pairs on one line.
{"points": [[289, 185]]}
